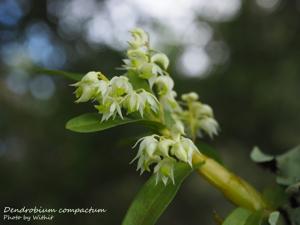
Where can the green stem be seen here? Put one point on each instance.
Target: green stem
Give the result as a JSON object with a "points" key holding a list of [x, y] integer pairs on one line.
{"points": [[234, 188]]}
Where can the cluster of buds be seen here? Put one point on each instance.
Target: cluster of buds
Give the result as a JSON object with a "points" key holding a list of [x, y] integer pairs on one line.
{"points": [[198, 117], [151, 65], [146, 62], [114, 96], [164, 152]]}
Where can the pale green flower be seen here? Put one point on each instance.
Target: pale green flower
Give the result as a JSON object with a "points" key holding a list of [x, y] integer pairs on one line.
{"points": [[179, 151], [192, 96], [169, 102], [140, 38], [148, 100], [103, 87], [183, 149], [133, 103], [110, 107], [164, 152], [146, 153], [199, 117], [164, 170], [164, 146], [120, 85], [209, 125], [165, 84], [177, 129], [137, 57], [161, 59], [204, 110], [89, 87], [149, 70], [190, 148]]}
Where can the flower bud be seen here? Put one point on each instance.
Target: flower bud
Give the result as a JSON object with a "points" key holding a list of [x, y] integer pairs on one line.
{"points": [[205, 110], [90, 77], [140, 38], [164, 84], [192, 96], [160, 59], [209, 125]]}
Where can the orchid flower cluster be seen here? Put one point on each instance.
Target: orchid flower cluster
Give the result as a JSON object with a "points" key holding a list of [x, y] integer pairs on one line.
{"points": [[114, 95], [121, 94]]}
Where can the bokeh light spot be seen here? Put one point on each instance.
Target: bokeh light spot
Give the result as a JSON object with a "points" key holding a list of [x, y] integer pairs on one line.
{"points": [[17, 82], [194, 62], [42, 87]]}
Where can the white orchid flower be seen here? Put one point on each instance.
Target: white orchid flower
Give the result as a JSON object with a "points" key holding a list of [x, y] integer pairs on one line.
{"points": [[120, 85], [140, 38], [209, 125], [132, 102], [89, 87], [164, 170], [149, 100]]}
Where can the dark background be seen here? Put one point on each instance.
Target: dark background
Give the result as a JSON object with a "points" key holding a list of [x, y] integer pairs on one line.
{"points": [[244, 62]]}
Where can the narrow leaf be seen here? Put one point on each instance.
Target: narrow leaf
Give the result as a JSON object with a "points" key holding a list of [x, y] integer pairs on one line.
{"points": [[238, 217], [91, 122], [152, 199], [273, 218], [294, 214], [69, 75], [256, 218], [275, 196], [289, 167], [258, 156]]}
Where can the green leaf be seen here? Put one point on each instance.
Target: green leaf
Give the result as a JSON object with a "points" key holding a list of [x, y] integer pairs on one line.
{"points": [[294, 215], [238, 217], [91, 122], [152, 199], [273, 218], [275, 196], [258, 156], [256, 218], [289, 167], [293, 189], [69, 75]]}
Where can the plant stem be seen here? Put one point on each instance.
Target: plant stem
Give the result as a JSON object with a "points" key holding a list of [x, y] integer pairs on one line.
{"points": [[234, 188]]}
